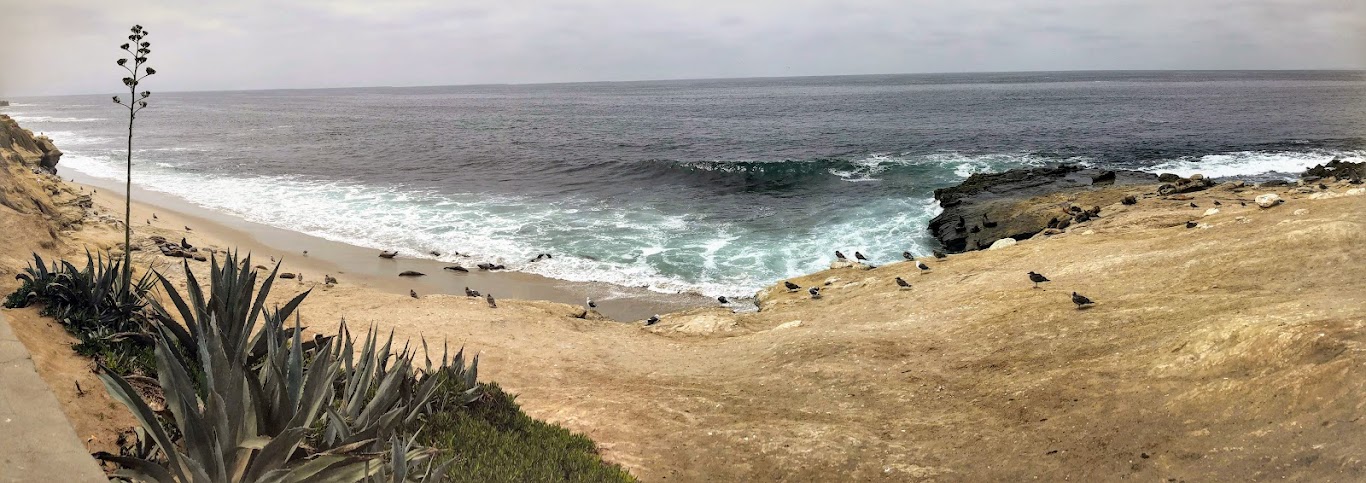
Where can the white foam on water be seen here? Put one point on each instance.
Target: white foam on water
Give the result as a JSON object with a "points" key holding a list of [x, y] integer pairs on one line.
{"points": [[1253, 163], [51, 119]]}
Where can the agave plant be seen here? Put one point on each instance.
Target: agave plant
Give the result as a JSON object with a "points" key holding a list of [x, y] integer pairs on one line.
{"points": [[270, 405]]}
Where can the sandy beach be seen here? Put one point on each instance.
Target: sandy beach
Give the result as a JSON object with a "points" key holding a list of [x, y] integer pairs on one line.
{"points": [[361, 266]]}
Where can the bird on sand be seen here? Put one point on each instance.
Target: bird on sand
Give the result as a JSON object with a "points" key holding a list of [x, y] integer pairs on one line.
{"points": [[1191, 224], [840, 255], [187, 228], [471, 293], [305, 253], [412, 293], [860, 257], [815, 292], [154, 216], [272, 259], [1037, 279], [591, 304], [149, 222], [492, 303], [723, 299], [1193, 205], [940, 254], [921, 265], [1217, 203], [900, 282], [654, 319], [907, 255], [1080, 300], [791, 287]]}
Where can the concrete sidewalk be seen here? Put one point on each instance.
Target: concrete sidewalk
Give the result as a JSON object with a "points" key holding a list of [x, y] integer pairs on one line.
{"points": [[36, 441]]}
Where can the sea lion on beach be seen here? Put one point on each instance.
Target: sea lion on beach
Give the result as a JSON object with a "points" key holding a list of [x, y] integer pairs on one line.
{"points": [[939, 254], [185, 244], [388, 254], [411, 273], [1037, 279], [456, 268], [434, 253], [723, 300]]}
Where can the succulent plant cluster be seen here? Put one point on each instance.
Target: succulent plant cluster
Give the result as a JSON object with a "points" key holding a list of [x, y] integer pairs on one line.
{"points": [[248, 405]]}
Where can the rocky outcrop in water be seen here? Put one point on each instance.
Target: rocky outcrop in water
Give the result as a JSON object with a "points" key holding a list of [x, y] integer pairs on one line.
{"points": [[1337, 168], [988, 207]]}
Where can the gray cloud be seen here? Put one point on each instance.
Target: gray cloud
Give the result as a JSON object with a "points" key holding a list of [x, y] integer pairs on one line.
{"points": [[68, 46]]}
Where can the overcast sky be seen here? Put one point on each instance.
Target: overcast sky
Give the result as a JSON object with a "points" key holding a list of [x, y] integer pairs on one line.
{"points": [[69, 46]]}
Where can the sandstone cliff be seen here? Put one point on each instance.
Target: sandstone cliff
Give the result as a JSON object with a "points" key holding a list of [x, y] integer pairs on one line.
{"points": [[35, 206]]}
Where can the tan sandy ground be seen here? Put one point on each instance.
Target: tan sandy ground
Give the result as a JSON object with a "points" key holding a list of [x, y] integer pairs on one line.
{"points": [[1232, 352]]}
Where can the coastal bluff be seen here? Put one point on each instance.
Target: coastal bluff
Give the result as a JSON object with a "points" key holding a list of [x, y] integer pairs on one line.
{"points": [[34, 203]]}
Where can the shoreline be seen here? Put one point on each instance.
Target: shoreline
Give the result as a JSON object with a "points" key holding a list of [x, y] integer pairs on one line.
{"points": [[352, 264]]}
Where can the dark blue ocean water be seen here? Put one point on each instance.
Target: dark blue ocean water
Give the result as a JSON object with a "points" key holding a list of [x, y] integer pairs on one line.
{"points": [[714, 186]]}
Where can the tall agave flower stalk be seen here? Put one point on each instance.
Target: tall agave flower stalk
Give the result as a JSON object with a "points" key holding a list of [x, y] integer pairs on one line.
{"points": [[271, 405], [139, 49]]}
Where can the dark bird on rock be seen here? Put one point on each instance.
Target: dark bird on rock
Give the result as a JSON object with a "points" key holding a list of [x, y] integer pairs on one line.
{"points": [[492, 304], [860, 257], [921, 265], [654, 319], [900, 282], [1323, 186], [184, 243], [815, 292], [907, 255], [840, 255], [1037, 279], [791, 287], [1217, 203], [412, 293], [456, 268], [723, 299], [591, 304], [470, 293], [1080, 300], [1191, 224], [1193, 205], [1244, 203]]}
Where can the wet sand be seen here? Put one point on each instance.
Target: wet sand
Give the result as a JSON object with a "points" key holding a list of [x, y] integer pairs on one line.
{"points": [[352, 264]]}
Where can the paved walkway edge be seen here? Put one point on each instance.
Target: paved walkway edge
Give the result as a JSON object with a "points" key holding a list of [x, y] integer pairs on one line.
{"points": [[37, 442]]}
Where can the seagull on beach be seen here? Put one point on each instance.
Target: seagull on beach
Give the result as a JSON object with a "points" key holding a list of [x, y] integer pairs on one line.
{"points": [[815, 293], [654, 319], [860, 257], [492, 304], [1081, 300], [921, 265], [1037, 279], [940, 254], [471, 293], [907, 255], [900, 282], [840, 255], [591, 304], [791, 287]]}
